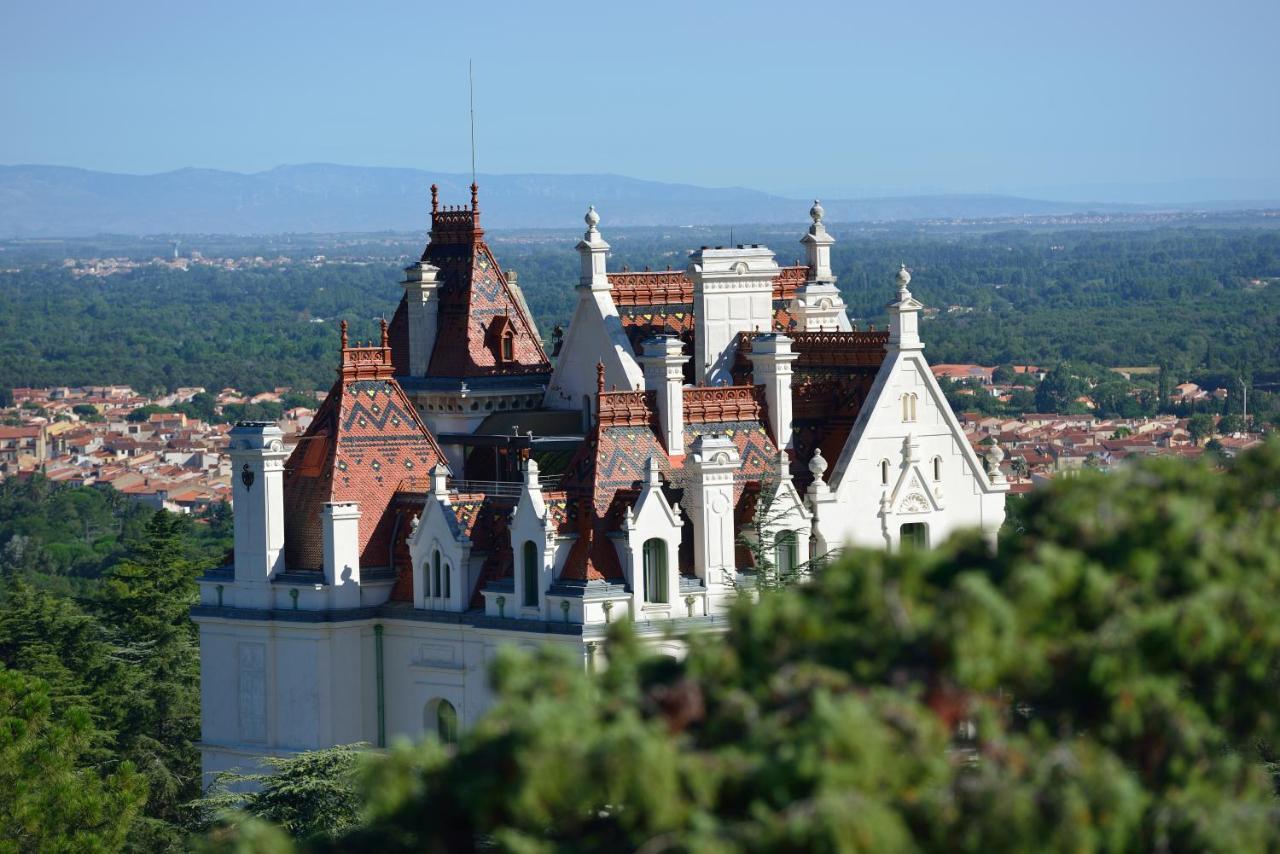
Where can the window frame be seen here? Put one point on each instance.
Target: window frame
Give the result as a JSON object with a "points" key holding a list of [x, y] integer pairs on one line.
{"points": [[655, 571]]}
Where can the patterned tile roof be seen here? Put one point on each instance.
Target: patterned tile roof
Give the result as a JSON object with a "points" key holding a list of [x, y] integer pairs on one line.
{"points": [[364, 440], [483, 327]]}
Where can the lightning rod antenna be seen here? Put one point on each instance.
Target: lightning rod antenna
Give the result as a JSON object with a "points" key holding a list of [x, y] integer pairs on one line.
{"points": [[471, 81]]}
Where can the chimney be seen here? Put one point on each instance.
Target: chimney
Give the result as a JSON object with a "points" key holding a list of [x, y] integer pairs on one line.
{"points": [[663, 362], [257, 463], [423, 314], [712, 462], [732, 293], [771, 360], [340, 521]]}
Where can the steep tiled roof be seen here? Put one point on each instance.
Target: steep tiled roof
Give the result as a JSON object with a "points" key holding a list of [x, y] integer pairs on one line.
{"points": [[476, 305], [364, 440]]}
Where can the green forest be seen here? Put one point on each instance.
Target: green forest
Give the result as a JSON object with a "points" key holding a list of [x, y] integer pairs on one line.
{"points": [[1202, 301], [99, 668], [1105, 682]]}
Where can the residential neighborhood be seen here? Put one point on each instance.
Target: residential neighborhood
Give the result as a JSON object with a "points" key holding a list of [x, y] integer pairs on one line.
{"points": [[115, 437]]}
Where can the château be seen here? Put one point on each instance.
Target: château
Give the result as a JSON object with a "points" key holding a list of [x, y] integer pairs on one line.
{"points": [[462, 488]]}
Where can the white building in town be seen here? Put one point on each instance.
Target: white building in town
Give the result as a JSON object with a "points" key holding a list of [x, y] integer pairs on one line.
{"points": [[456, 492]]}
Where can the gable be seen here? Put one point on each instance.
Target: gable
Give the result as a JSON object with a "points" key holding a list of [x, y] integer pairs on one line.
{"points": [[881, 419]]}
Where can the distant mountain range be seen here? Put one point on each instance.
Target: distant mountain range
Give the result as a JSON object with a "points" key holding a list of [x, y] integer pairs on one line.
{"points": [[60, 201]]}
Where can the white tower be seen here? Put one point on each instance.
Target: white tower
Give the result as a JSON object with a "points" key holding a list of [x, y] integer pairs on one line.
{"points": [[257, 463]]}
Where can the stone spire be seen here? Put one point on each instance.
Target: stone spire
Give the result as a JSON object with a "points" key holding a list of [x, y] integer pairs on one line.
{"points": [[904, 317], [593, 251]]}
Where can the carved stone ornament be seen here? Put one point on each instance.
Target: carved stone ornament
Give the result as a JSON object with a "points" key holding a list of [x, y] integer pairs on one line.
{"points": [[914, 503], [246, 476]]}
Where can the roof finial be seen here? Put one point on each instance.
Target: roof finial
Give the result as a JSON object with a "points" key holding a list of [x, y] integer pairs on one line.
{"points": [[475, 196], [904, 279], [435, 199], [344, 335], [599, 377], [816, 212], [592, 218], [384, 333]]}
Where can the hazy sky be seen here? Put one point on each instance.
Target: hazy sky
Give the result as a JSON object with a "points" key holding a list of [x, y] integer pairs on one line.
{"points": [[794, 97]]}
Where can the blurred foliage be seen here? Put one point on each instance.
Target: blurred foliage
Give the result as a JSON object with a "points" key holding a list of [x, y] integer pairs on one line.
{"points": [[1106, 682]]}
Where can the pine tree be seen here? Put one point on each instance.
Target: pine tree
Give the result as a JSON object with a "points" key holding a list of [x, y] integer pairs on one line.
{"points": [[146, 601], [52, 798]]}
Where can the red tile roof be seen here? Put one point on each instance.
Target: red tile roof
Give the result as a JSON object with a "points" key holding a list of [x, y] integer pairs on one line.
{"points": [[476, 305], [365, 439]]}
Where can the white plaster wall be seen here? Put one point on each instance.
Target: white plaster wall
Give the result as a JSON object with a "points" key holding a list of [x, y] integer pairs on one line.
{"points": [[595, 335], [964, 496]]}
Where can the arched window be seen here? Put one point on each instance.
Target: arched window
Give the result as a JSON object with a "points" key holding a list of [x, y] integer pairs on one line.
{"points": [[914, 535], [508, 346], [786, 556], [531, 574], [448, 581], [909, 407], [937, 468], [655, 571], [435, 572], [884, 472], [441, 718]]}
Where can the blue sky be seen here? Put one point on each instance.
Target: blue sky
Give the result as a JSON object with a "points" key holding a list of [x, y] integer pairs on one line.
{"points": [[852, 98]]}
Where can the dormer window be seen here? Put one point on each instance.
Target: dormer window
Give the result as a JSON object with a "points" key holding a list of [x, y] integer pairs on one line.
{"points": [[502, 340]]}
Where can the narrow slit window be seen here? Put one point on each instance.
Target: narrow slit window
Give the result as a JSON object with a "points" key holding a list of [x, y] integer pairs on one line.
{"points": [[531, 574]]}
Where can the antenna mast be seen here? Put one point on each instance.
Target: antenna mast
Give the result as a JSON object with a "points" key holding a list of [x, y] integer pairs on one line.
{"points": [[471, 81]]}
